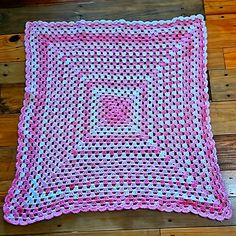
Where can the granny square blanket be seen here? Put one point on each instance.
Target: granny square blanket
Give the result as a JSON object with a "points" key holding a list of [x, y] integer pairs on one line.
{"points": [[115, 116]]}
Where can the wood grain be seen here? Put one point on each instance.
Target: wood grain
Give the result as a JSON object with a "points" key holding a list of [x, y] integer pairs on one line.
{"points": [[230, 57], [221, 31], [229, 178], [12, 47], [23, 3], [226, 151], [11, 98], [200, 231], [213, 7], [7, 163], [8, 130], [215, 59], [223, 84], [141, 232], [13, 19], [223, 117], [148, 232], [4, 186], [12, 72], [143, 10]]}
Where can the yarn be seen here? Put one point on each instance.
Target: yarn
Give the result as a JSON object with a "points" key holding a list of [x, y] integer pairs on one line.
{"points": [[116, 116]]}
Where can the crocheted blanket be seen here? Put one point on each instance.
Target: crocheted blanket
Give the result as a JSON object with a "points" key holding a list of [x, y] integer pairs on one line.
{"points": [[115, 116]]}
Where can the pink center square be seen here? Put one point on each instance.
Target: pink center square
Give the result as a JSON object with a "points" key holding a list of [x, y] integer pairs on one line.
{"points": [[114, 110]]}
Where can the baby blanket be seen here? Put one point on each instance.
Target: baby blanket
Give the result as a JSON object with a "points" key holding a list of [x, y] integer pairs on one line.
{"points": [[115, 116]]}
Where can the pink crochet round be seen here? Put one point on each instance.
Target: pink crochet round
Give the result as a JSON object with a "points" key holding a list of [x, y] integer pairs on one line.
{"points": [[116, 116]]}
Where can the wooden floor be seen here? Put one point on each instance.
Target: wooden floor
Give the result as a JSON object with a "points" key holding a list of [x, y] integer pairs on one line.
{"points": [[221, 24]]}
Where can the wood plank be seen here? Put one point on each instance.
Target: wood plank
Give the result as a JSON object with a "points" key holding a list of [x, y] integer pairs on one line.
{"points": [[221, 31], [8, 130], [140, 232], [223, 117], [229, 178], [23, 3], [4, 186], [230, 57], [115, 220], [200, 231], [12, 47], [215, 59], [226, 151], [213, 7], [223, 84], [7, 163], [12, 72], [13, 19], [11, 98], [145, 10]]}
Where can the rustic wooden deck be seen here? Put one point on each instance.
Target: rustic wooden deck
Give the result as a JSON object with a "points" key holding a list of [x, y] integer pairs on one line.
{"points": [[221, 24]]}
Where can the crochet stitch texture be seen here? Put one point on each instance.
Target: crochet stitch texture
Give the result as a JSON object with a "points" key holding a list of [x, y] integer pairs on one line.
{"points": [[115, 116]]}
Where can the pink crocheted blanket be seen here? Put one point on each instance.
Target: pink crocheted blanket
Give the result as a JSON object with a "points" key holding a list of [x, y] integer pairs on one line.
{"points": [[116, 116]]}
